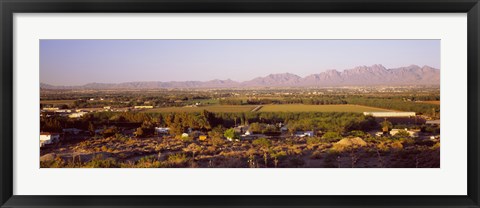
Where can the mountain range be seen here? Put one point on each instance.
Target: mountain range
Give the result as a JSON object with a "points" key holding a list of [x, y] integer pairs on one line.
{"points": [[375, 75]]}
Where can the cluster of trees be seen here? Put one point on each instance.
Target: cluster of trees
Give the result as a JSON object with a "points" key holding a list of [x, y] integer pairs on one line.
{"points": [[262, 128], [128, 98], [336, 122], [260, 122], [180, 122]]}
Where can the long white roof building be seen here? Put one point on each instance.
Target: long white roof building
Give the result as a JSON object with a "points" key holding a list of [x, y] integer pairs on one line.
{"points": [[389, 114]]}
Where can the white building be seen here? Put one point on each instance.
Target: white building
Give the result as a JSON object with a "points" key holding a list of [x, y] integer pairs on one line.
{"points": [[77, 115], [50, 109], [162, 130], [143, 106], [48, 138], [304, 134], [389, 114]]}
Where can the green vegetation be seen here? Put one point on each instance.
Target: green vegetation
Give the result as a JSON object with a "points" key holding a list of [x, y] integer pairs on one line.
{"points": [[318, 108], [212, 108], [231, 134]]}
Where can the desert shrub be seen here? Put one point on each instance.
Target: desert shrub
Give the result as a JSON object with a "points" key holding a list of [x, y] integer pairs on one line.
{"points": [[121, 137], [56, 163], [217, 141], [148, 162], [252, 151], [262, 142], [99, 162], [131, 141], [187, 139], [294, 150], [104, 148], [289, 142], [383, 146], [357, 133], [386, 146], [370, 139], [397, 145], [279, 154], [177, 159], [313, 140]]}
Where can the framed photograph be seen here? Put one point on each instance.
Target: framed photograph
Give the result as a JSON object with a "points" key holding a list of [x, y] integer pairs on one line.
{"points": [[239, 103]]}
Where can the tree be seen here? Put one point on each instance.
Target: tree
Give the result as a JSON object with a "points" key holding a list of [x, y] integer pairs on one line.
{"points": [[147, 129], [270, 128], [216, 132], [386, 126], [91, 128], [231, 134], [53, 124], [257, 127], [402, 134]]}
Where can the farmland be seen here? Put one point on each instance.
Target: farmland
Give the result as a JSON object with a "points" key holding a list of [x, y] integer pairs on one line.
{"points": [[57, 102], [270, 108], [318, 108]]}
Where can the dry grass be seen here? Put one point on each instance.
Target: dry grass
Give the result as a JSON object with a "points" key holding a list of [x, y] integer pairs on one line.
{"points": [[349, 143]]}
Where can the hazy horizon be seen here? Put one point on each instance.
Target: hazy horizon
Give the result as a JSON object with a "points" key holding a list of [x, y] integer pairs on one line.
{"points": [[78, 62]]}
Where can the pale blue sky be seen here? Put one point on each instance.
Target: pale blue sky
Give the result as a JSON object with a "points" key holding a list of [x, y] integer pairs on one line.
{"points": [[76, 62]]}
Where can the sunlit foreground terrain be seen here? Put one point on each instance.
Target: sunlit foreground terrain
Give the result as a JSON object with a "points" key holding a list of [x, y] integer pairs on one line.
{"points": [[350, 152], [378, 128]]}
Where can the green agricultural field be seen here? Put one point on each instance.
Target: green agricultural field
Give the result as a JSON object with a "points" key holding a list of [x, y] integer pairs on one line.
{"points": [[211, 108], [271, 108], [318, 108]]}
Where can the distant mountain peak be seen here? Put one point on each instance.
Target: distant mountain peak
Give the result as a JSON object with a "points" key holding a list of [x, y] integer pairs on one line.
{"points": [[372, 75]]}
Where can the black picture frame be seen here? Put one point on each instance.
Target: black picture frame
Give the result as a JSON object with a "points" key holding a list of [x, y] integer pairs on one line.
{"points": [[9, 7]]}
